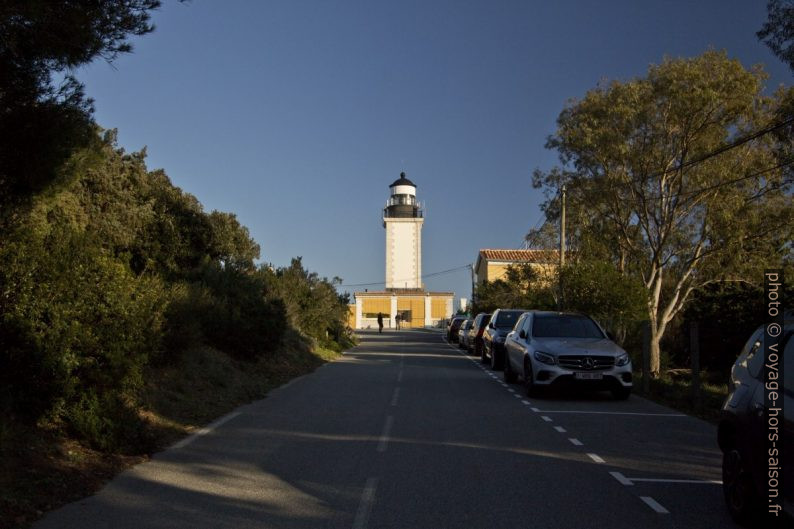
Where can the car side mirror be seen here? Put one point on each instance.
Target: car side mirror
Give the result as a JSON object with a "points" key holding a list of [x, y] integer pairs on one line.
{"points": [[610, 336], [522, 334]]}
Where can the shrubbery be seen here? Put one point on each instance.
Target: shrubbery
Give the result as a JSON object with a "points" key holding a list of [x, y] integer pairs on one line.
{"points": [[77, 324], [119, 270]]}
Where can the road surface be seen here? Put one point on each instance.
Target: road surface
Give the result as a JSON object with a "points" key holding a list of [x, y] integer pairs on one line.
{"points": [[405, 431]]}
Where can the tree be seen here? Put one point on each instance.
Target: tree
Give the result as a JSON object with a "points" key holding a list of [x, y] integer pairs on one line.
{"points": [[41, 123], [523, 286], [778, 30], [598, 289], [676, 178]]}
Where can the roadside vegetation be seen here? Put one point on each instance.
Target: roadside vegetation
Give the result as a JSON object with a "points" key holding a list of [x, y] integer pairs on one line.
{"points": [[129, 316]]}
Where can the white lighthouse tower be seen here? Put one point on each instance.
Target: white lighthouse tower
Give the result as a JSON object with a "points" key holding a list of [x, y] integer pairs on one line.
{"points": [[403, 217]]}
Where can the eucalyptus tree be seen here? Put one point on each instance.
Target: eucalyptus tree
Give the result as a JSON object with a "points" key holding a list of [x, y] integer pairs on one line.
{"points": [[678, 177], [778, 31]]}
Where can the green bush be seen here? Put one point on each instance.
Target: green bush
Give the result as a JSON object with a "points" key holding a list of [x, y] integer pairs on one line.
{"points": [[182, 328], [75, 322], [108, 423], [239, 318]]}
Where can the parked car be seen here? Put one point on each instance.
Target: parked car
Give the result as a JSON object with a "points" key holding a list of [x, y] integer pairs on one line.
{"points": [[493, 338], [474, 342], [454, 327], [556, 348], [463, 334], [744, 430]]}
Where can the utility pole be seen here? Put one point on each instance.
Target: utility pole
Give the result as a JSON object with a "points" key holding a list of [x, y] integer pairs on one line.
{"points": [[562, 244], [562, 229]]}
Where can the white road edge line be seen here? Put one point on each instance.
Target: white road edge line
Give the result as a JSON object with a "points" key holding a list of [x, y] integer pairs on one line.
{"points": [[365, 505], [623, 480], [700, 481], [560, 429], [596, 458], [653, 504], [618, 413], [204, 431], [384, 437]]}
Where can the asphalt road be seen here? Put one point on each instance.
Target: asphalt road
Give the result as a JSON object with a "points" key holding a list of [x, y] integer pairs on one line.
{"points": [[405, 431]]}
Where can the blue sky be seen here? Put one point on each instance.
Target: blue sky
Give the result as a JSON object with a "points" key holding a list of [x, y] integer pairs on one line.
{"points": [[297, 115]]}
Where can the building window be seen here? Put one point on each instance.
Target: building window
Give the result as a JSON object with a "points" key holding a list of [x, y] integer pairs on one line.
{"points": [[374, 315]]}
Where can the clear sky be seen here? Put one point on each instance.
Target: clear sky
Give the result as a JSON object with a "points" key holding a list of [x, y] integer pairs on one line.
{"points": [[297, 115]]}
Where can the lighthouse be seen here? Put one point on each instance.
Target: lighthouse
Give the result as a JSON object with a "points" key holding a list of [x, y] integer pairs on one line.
{"points": [[402, 218], [404, 298]]}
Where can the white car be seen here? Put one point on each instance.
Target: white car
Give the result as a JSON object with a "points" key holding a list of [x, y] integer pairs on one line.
{"points": [[558, 348]]}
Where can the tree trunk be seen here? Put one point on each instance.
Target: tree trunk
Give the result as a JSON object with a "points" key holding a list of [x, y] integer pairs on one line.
{"points": [[655, 352]]}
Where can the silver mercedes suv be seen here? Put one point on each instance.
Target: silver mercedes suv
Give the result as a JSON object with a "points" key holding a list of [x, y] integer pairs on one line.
{"points": [[556, 348]]}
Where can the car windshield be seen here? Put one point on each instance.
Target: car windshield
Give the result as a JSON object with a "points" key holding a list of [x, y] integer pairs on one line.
{"points": [[506, 319], [565, 326]]}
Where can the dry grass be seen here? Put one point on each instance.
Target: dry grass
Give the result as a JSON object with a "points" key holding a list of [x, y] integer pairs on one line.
{"points": [[674, 389]]}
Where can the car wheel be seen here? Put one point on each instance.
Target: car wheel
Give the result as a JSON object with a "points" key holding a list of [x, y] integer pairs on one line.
{"points": [[529, 379], [510, 376], [496, 365], [737, 487], [483, 357], [621, 393]]}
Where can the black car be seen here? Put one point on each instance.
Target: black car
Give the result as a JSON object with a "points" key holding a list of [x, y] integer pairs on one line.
{"points": [[744, 432], [474, 343], [493, 338], [454, 327]]}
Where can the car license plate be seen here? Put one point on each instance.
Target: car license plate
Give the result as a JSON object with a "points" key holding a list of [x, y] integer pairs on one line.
{"points": [[588, 376]]}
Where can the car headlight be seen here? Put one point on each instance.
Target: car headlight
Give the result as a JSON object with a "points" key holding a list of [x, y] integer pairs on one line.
{"points": [[622, 360], [545, 358]]}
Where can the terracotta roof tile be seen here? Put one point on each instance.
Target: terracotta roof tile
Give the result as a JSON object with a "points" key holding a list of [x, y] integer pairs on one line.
{"points": [[531, 256]]}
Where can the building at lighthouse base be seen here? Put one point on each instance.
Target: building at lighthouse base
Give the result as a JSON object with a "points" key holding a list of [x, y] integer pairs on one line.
{"points": [[417, 308]]}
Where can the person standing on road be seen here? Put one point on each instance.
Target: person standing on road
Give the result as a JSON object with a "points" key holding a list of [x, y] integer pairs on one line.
{"points": [[380, 322], [397, 321]]}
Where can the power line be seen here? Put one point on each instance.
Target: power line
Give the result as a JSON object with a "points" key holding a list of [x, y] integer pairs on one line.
{"points": [[734, 144], [424, 276]]}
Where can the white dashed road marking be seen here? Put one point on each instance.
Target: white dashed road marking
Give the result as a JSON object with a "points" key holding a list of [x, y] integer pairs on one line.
{"points": [[653, 504], [384, 438], [395, 396], [623, 480], [547, 419], [365, 505], [575, 442], [560, 429]]}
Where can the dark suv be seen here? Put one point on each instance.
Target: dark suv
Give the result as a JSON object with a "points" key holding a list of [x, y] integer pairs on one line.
{"points": [[744, 431], [454, 327], [493, 339]]}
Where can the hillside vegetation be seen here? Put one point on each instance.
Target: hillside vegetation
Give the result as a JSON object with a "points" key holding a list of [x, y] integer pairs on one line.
{"points": [[130, 315]]}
